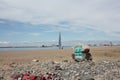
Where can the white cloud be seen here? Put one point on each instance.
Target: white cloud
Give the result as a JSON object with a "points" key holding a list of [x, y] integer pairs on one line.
{"points": [[35, 34], [4, 42], [103, 15]]}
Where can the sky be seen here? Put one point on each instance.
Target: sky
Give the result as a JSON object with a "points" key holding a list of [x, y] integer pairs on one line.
{"points": [[42, 20]]}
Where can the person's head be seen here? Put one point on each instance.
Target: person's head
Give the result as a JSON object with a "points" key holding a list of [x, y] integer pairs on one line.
{"points": [[87, 50]]}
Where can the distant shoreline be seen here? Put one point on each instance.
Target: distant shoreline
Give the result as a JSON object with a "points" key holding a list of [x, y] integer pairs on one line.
{"points": [[24, 46], [9, 48], [31, 48]]}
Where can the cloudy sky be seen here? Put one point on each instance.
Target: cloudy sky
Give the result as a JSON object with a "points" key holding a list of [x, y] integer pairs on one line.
{"points": [[42, 20]]}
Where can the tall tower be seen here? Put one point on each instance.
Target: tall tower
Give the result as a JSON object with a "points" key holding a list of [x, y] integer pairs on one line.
{"points": [[60, 45]]}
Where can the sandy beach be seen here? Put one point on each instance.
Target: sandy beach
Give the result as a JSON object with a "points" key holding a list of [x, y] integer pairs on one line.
{"points": [[21, 61], [25, 56]]}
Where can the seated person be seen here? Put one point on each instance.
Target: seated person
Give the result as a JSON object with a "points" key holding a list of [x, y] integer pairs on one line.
{"points": [[81, 53], [87, 54]]}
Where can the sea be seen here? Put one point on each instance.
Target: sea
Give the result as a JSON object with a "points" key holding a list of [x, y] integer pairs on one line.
{"points": [[50, 45], [30, 48], [14, 49]]}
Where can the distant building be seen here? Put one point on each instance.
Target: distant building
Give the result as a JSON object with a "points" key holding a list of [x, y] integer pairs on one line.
{"points": [[60, 44]]}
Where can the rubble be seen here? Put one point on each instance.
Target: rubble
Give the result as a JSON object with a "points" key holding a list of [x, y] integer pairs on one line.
{"points": [[65, 70]]}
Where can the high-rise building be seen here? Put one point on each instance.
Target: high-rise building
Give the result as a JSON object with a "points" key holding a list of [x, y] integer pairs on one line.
{"points": [[60, 45]]}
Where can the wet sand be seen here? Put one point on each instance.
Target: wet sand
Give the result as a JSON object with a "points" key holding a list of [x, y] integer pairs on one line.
{"points": [[25, 56]]}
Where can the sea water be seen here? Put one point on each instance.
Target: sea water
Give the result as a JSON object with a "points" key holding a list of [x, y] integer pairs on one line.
{"points": [[39, 48], [30, 48]]}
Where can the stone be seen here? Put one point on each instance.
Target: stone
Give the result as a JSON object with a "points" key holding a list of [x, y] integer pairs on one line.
{"points": [[35, 60], [104, 70]]}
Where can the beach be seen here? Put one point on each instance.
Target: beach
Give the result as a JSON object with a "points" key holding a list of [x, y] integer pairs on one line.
{"points": [[24, 56], [105, 64]]}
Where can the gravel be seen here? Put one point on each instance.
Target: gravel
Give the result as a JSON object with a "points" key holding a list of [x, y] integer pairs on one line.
{"points": [[65, 70]]}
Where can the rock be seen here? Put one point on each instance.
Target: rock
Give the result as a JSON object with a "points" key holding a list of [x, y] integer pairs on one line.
{"points": [[104, 70], [65, 60], [35, 60], [90, 79], [1, 77]]}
